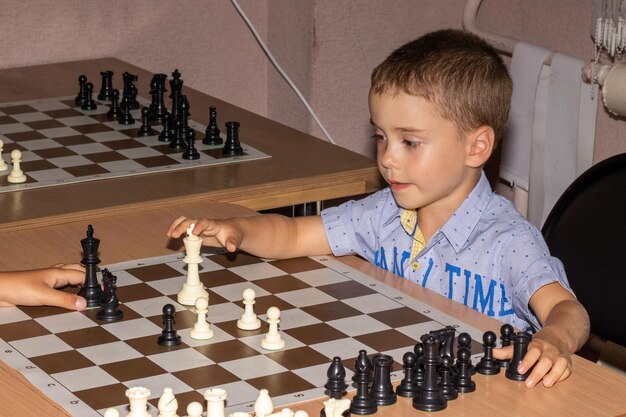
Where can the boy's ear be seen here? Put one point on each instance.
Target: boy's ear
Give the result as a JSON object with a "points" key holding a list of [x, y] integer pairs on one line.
{"points": [[480, 143]]}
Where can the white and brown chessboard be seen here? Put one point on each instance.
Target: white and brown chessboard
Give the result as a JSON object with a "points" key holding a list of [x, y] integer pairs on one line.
{"points": [[61, 144], [327, 309]]}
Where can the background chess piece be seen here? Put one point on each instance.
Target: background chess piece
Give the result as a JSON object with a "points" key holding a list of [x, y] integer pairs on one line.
{"points": [[17, 175]]}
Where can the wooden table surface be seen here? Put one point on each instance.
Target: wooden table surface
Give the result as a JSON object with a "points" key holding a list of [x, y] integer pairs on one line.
{"points": [[301, 169], [591, 390]]}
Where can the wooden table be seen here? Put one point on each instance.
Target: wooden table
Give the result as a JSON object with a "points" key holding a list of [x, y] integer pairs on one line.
{"points": [[301, 169], [591, 391]]}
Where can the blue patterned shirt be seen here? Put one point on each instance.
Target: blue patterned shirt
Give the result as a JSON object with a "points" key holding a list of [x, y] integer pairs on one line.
{"points": [[486, 256]]}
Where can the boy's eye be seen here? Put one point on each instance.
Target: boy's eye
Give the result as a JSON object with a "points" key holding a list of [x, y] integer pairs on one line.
{"points": [[378, 137], [411, 143]]}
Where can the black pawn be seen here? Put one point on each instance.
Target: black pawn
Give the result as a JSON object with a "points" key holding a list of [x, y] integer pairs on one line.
{"points": [[232, 147], [166, 134], [169, 337], [506, 332], [212, 132], [191, 152], [145, 129], [114, 112], [178, 141], [430, 397], [106, 89], [82, 81], [362, 403], [109, 306], [447, 379], [487, 364], [336, 384], [126, 118], [520, 347], [418, 349], [465, 340], [88, 103], [463, 379], [91, 290], [408, 386], [382, 391]]}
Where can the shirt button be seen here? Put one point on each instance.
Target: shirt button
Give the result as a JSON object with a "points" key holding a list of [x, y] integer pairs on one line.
{"points": [[415, 265]]}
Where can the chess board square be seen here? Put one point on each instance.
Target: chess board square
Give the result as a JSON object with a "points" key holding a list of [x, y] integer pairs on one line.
{"points": [[212, 376], [130, 329], [62, 113], [315, 333], [319, 277], [105, 137], [84, 378], [281, 284], [86, 170], [253, 367], [158, 383], [56, 174], [219, 277], [386, 340], [31, 117], [226, 351], [358, 325], [294, 265], [153, 272], [13, 128], [104, 396], [128, 313], [165, 149], [281, 384], [264, 302], [294, 317], [70, 161], [107, 156], [77, 120], [148, 345], [169, 286], [180, 360], [124, 144], [12, 314], [40, 345], [85, 149], [331, 311], [58, 132], [132, 369], [44, 124], [44, 105], [61, 362], [253, 272], [231, 328], [73, 140], [43, 311], [183, 399], [103, 117], [17, 109], [214, 153], [234, 292], [344, 348], [371, 303], [231, 260], [153, 306], [87, 337], [6, 120], [65, 322], [37, 144], [123, 166], [300, 357], [215, 299], [219, 336], [184, 319], [152, 161], [346, 289], [21, 330], [55, 152], [220, 313], [399, 317], [316, 375], [38, 165], [305, 297], [22, 136], [92, 128], [109, 352], [134, 292]]}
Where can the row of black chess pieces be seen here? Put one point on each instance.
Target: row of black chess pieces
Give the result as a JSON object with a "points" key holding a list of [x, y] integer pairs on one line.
{"points": [[431, 375], [175, 122]]}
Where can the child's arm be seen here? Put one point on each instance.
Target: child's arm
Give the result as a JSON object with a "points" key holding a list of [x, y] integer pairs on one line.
{"points": [[267, 235], [38, 287], [565, 330]]}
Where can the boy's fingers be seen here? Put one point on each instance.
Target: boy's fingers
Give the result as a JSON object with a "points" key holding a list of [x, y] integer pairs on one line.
{"points": [[63, 277], [63, 299], [175, 229], [503, 353]]}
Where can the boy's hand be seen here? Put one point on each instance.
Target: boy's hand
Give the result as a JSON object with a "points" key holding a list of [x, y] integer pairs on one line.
{"points": [[216, 233]]}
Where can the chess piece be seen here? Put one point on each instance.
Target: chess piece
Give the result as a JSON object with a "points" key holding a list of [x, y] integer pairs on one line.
{"points": [[88, 103], [446, 335], [248, 320], [336, 407], [430, 397], [212, 132], [362, 403], [3, 164], [418, 349], [446, 385], [168, 336], [138, 400], [145, 129], [82, 81], [336, 384], [215, 398], [90, 290], [520, 346], [176, 83], [178, 141], [194, 409], [463, 379], [130, 91], [114, 112], [382, 391], [111, 412], [272, 340], [109, 306], [506, 332], [126, 117], [16, 175], [192, 288], [106, 89], [464, 341], [166, 134], [263, 405], [158, 111], [168, 405], [191, 153], [408, 386], [232, 146], [201, 329], [488, 364]]}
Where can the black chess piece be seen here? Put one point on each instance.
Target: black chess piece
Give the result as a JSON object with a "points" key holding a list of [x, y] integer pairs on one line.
{"points": [[382, 391], [506, 332], [464, 341], [166, 134], [130, 90], [520, 347], [408, 386], [446, 335], [362, 403], [106, 89], [178, 141], [463, 379], [109, 306], [232, 146], [169, 337], [191, 152], [212, 132], [145, 129], [183, 116], [91, 290], [176, 84], [114, 112], [158, 111], [88, 103], [488, 364], [336, 384], [418, 349], [446, 376], [430, 398], [82, 81], [126, 118]]}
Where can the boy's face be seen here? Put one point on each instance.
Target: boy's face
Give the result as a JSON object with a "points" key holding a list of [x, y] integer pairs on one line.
{"points": [[419, 153]]}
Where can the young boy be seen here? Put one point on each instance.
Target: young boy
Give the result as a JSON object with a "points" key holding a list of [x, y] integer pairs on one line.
{"points": [[438, 105], [38, 287]]}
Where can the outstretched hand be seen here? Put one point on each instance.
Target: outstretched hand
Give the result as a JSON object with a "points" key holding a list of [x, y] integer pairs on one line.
{"points": [[215, 233]]}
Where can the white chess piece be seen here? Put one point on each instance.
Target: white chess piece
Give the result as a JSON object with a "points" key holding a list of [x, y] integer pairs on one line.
{"points": [[192, 288], [17, 175], [3, 165], [301, 413], [168, 405], [194, 409], [201, 329], [138, 400], [248, 320], [111, 412], [215, 398], [272, 340], [285, 412], [263, 405], [335, 408]]}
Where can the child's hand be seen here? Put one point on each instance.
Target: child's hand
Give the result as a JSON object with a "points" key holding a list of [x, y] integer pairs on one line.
{"points": [[216, 233], [38, 287]]}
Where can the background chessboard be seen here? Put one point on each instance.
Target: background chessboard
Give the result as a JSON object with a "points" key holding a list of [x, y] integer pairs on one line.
{"points": [[327, 309], [61, 144]]}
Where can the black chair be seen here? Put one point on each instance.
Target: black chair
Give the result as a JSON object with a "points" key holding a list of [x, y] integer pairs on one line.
{"points": [[586, 230]]}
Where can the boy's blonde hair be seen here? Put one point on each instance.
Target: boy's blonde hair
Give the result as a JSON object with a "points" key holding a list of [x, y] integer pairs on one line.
{"points": [[456, 71]]}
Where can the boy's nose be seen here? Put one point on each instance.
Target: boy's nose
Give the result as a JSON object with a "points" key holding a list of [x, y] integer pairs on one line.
{"points": [[386, 156]]}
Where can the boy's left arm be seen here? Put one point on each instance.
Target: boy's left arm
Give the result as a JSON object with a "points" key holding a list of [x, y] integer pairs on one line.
{"points": [[565, 329]]}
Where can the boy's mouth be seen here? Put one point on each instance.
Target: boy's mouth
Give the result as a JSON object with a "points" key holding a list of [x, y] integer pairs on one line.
{"points": [[397, 186]]}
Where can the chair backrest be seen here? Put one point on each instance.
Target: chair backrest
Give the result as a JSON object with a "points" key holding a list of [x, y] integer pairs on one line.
{"points": [[586, 230]]}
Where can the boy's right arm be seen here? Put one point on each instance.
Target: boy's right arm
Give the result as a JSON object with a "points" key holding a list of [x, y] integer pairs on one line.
{"points": [[266, 235]]}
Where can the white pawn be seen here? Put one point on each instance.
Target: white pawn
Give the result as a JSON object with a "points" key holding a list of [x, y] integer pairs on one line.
{"points": [[138, 399], [215, 398], [3, 165], [335, 408], [263, 405], [111, 412], [201, 329], [248, 320], [168, 404], [272, 340], [17, 175], [194, 409]]}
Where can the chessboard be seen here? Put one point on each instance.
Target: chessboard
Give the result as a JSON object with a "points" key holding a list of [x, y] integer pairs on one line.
{"points": [[327, 309], [63, 144]]}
